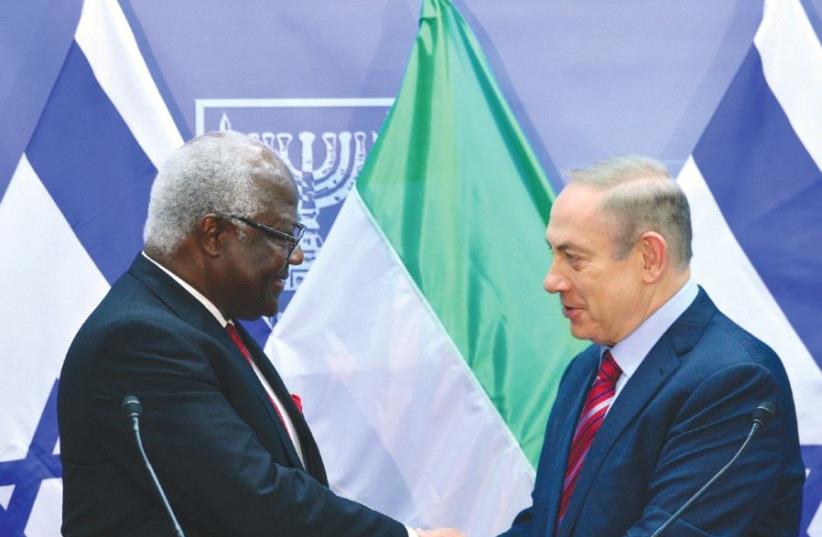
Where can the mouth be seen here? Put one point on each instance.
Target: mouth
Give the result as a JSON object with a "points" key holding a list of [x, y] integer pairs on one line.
{"points": [[278, 284], [570, 312]]}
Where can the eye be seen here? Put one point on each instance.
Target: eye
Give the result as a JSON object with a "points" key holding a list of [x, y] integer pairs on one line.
{"points": [[574, 260]]}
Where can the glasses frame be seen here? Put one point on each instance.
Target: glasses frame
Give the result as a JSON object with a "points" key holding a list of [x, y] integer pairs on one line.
{"points": [[293, 240]]}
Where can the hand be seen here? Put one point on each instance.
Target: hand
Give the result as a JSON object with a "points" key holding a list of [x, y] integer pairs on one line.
{"points": [[439, 532]]}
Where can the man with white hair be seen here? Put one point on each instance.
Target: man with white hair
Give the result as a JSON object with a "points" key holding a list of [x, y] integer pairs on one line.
{"points": [[664, 397], [227, 440]]}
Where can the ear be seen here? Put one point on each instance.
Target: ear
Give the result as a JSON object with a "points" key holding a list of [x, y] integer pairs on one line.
{"points": [[654, 252], [211, 234]]}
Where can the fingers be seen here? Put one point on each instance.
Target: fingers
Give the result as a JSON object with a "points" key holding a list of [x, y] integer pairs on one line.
{"points": [[439, 532]]}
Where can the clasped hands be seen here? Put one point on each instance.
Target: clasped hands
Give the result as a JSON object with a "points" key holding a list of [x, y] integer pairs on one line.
{"points": [[439, 532]]}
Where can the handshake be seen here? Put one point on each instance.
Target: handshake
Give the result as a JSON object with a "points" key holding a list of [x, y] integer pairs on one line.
{"points": [[439, 532]]}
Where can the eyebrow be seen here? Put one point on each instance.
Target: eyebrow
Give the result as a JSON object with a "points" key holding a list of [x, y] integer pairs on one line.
{"points": [[565, 246]]}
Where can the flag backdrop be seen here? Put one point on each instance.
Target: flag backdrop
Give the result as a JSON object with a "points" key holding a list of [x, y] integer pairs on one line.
{"points": [[422, 343], [755, 187], [426, 349], [73, 214]]}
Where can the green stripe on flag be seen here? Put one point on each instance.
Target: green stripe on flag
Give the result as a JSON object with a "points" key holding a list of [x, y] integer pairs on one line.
{"points": [[460, 195]]}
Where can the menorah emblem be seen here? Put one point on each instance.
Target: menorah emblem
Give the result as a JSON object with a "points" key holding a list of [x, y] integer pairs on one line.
{"points": [[321, 187]]}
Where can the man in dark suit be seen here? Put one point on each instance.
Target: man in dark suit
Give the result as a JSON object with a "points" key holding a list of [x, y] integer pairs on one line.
{"points": [[664, 396], [227, 440]]}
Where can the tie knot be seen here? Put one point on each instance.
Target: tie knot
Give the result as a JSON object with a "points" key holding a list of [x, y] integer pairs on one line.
{"points": [[608, 368], [234, 334]]}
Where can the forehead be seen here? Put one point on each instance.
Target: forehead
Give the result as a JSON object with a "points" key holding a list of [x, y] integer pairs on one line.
{"points": [[279, 195], [577, 218]]}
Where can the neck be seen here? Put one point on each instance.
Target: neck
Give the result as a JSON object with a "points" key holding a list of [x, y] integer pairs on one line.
{"points": [[665, 290], [188, 266], [655, 297]]}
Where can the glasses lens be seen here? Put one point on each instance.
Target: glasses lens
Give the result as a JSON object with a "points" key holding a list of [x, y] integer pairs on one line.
{"points": [[297, 232]]}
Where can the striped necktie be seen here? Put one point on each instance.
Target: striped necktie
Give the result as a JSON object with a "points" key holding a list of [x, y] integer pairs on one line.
{"points": [[234, 334], [597, 402]]}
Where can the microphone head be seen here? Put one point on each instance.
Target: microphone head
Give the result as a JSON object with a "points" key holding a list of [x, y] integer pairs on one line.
{"points": [[764, 413], [131, 406]]}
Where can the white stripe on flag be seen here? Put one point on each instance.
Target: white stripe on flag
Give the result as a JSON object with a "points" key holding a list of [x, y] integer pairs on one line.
{"points": [[109, 45], [401, 420], [45, 519], [721, 266], [49, 289], [792, 62]]}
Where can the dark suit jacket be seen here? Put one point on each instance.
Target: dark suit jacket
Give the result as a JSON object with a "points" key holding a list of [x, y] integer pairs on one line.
{"points": [[212, 434], [679, 419]]}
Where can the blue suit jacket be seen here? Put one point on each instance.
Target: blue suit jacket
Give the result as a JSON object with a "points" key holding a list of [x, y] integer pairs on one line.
{"points": [[678, 420], [223, 455]]}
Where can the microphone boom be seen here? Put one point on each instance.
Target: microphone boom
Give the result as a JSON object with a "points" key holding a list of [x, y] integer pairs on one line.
{"points": [[132, 409]]}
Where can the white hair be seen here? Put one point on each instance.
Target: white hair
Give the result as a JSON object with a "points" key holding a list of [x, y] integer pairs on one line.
{"points": [[211, 174], [641, 196]]}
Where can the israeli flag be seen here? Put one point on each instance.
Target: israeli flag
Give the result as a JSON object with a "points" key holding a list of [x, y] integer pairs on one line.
{"points": [[74, 209], [73, 214], [755, 188]]}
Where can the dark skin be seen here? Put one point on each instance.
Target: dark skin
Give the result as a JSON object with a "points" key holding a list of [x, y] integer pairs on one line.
{"points": [[242, 277]]}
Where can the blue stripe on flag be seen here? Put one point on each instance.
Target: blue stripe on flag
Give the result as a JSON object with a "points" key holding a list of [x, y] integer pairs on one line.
{"points": [[770, 192], [812, 455], [93, 167], [28, 474]]}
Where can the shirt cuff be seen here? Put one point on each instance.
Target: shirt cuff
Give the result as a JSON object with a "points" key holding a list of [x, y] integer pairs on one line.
{"points": [[411, 533]]}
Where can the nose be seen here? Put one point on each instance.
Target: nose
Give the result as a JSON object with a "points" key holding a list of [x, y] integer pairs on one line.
{"points": [[554, 282], [297, 256]]}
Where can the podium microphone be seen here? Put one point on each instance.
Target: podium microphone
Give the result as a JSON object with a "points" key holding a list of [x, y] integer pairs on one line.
{"points": [[132, 409], [763, 414]]}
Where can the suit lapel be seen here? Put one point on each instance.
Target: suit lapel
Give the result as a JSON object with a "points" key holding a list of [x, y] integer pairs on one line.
{"points": [[656, 367], [190, 310], [311, 454], [561, 432], [251, 381], [640, 389]]}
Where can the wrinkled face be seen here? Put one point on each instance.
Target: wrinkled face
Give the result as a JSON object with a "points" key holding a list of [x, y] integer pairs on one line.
{"points": [[257, 265], [603, 298]]}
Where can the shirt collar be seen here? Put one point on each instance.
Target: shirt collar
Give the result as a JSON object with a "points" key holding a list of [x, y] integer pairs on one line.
{"points": [[630, 352], [195, 293]]}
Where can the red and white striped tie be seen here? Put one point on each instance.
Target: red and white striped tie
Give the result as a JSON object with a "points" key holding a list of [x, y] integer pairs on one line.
{"points": [[234, 334], [599, 399]]}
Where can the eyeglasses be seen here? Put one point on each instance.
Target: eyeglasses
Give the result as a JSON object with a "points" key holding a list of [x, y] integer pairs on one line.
{"points": [[293, 240]]}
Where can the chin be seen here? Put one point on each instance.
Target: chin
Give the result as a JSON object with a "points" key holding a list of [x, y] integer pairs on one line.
{"points": [[271, 309], [580, 332]]}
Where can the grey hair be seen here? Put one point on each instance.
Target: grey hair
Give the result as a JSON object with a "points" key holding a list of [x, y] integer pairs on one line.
{"points": [[641, 196], [210, 174]]}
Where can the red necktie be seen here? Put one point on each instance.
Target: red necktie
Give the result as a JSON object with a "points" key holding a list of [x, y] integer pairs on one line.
{"points": [[597, 402], [234, 334]]}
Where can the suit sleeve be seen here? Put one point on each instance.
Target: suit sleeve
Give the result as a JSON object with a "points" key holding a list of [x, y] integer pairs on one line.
{"points": [[709, 428], [522, 524], [211, 462]]}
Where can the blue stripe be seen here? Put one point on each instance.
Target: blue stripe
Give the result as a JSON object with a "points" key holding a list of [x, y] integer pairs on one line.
{"points": [[770, 192], [29, 473], [812, 456], [93, 167]]}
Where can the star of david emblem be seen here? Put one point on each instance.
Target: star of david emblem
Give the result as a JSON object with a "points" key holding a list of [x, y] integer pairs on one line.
{"points": [[27, 474]]}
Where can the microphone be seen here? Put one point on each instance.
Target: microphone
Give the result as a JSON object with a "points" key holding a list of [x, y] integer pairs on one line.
{"points": [[132, 409], [763, 414]]}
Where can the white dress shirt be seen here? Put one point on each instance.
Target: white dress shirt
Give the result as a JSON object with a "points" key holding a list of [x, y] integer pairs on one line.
{"points": [[630, 352]]}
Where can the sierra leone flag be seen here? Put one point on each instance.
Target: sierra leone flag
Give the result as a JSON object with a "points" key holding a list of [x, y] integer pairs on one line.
{"points": [[427, 351]]}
